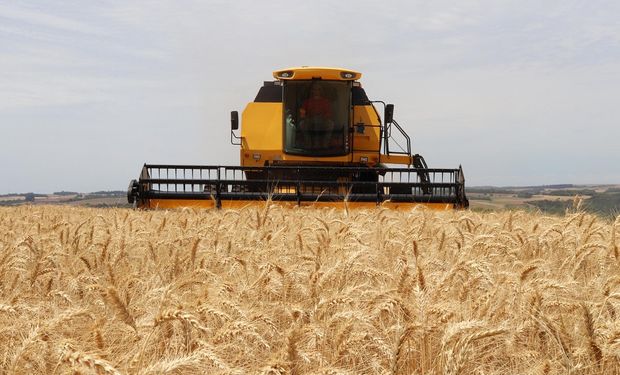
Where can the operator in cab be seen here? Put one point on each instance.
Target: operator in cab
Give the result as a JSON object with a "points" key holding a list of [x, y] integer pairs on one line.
{"points": [[316, 120]]}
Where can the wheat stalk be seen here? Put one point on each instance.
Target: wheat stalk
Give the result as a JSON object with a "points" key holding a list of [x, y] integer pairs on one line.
{"points": [[182, 316], [112, 297], [77, 358]]}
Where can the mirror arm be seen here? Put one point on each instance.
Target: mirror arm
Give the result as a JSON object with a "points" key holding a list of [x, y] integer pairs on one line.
{"points": [[234, 125]]}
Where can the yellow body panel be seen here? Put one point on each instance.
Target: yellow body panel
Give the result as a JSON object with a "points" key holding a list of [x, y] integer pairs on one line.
{"points": [[396, 159], [262, 139], [257, 158], [262, 127], [179, 203], [366, 119], [316, 72]]}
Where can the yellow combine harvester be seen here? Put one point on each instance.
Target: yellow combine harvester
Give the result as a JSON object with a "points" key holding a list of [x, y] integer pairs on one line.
{"points": [[310, 137]]}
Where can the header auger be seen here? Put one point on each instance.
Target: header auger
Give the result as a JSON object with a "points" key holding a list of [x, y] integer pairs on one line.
{"points": [[310, 137]]}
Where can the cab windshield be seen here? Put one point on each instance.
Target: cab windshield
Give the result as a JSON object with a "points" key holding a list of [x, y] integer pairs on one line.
{"points": [[316, 117]]}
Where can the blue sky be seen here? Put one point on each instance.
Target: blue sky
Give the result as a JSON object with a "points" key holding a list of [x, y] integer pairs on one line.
{"points": [[519, 92]]}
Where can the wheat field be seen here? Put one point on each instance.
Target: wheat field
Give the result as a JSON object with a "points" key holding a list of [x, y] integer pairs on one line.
{"points": [[271, 290]]}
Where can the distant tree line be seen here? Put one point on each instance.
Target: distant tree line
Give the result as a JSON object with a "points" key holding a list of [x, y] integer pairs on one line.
{"points": [[605, 204], [65, 193]]}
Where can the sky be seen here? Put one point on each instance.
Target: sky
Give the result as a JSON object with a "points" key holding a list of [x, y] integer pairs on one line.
{"points": [[519, 92]]}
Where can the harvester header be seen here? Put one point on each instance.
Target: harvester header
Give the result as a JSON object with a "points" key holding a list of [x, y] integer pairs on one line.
{"points": [[311, 137]]}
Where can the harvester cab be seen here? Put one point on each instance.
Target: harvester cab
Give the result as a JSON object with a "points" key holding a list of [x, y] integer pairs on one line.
{"points": [[310, 137]]}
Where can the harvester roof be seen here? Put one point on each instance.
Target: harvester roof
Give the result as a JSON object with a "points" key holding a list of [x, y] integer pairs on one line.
{"points": [[316, 72]]}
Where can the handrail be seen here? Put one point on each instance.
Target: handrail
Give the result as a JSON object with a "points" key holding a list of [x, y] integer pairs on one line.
{"points": [[385, 134], [404, 134]]}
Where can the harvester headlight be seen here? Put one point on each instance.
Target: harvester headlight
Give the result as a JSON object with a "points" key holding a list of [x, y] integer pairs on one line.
{"points": [[347, 75], [364, 159], [286, 74]]}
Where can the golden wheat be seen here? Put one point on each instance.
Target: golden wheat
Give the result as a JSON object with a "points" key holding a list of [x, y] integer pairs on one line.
{"points": [[275, 290]]}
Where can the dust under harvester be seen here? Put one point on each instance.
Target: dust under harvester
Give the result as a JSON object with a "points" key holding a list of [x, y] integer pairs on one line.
{"points": [[310, 137]]}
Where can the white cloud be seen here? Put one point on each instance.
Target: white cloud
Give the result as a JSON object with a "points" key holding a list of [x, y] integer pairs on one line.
{"points": [[33, 15]]}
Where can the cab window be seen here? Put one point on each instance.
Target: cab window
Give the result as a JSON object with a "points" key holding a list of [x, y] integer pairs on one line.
{"points": [[316, 117]]}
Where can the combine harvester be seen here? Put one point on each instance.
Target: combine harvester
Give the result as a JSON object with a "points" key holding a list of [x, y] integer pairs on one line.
{"points": [[311, 137]]}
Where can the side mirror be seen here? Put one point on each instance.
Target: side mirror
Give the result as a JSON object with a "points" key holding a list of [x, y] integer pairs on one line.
{"points": [[234, 120], [389, 113]]}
